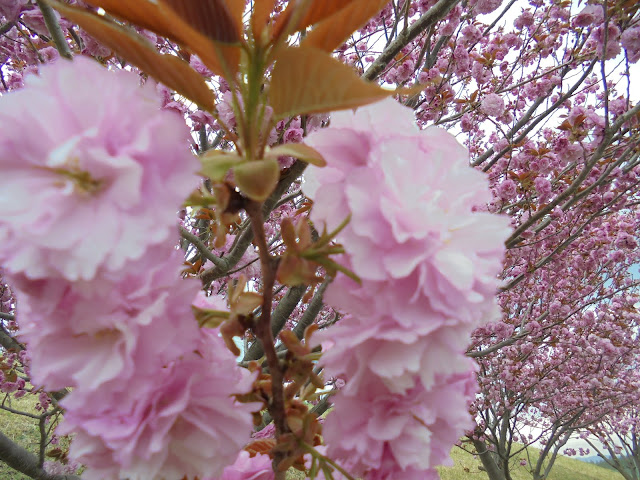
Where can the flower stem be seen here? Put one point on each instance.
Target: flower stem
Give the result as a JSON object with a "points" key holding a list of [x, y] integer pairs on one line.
{"points": [[263, 328]]}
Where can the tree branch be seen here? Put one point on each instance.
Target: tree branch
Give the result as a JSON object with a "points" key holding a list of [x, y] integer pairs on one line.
{"points": [[263, 329], [278, 319], [246, 237], [8, 342], [26, 462], [202, 248], [314, 307], [433, 15], [53, 26]]}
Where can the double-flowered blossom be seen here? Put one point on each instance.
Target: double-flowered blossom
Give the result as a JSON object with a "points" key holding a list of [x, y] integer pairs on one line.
{"points": [[93, 171], [88, 333], [183, 422], [414, 227], [92, 181], [388, 433], [428, 257], [247, 467]]}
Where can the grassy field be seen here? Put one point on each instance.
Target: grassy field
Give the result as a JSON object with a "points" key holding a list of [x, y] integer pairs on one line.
{"points": [[24, 431], [466, 467]]}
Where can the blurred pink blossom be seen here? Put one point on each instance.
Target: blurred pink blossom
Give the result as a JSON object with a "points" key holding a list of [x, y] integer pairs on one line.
{"points": [[90, 181], [246, 467], [180, 419], [492, 105], [89, 333], [630, 40]]}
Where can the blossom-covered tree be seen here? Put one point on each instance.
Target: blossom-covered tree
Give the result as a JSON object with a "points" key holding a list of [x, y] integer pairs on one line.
{"points": [[617, 440], [390, 243]]}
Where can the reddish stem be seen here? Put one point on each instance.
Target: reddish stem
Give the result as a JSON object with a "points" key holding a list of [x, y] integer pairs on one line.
{"points": [[263, 328]]}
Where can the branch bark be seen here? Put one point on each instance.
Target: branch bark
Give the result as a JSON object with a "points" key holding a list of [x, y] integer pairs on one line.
{"points": [[26, 462], [488, 462], [433, 15], [53, 26], [278, 319], [246, 237], [263, 329]]}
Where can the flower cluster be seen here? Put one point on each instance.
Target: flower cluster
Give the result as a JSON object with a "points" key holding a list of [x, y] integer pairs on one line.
{"points": [[428, 261], [93, 183], [76, 193]]}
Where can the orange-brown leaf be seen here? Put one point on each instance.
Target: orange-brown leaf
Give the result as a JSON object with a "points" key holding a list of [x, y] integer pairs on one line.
{"points": [[262, 446], [168, 69], [260, 16], [246, 303], [143, 13], [212, 18], [160, 18], [335, 29], [316, 10], [308, 80], [322, 9], [288, 232]]}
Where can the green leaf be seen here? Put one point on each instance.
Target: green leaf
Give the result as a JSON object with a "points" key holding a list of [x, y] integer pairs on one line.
{"points": [[300, 151], [216, 163], [257, 179], [209, 318]]}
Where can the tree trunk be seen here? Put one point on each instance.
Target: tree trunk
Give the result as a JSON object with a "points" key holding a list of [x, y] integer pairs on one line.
{"points": [[26, 462], [489, 463]]}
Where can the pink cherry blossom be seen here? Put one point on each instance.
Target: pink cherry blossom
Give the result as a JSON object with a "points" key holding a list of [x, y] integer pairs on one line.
{"points": [[85, 334], [630, 40], [246, 467], [487, 6], [390, 435], [90, 181], [373, 354], [428, 260], [492, 105], [179, 420], [210, 302], [411, 196], [589, 16], [10, 9]]}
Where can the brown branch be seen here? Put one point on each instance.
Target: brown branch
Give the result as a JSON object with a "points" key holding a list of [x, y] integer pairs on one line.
{"points": [[430, 18], [597, 154], [245, 238], [26, 462], [263, 328]]}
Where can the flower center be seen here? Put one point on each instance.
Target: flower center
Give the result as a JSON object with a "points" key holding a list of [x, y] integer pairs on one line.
{"points": [[83, 181]]}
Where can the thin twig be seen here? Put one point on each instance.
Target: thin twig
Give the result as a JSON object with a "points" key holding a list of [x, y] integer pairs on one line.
{"points": [[430, 17], [53, 26], [202, 248]]}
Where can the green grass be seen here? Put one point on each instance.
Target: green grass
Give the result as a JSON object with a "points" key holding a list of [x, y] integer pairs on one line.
{"points": [[565, 468], [24, 431], [466, 467]]}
